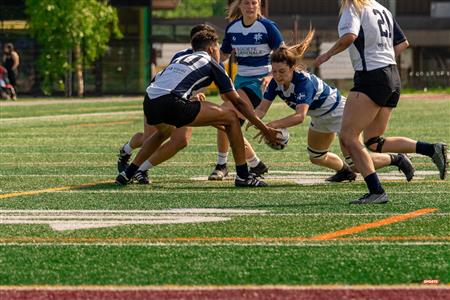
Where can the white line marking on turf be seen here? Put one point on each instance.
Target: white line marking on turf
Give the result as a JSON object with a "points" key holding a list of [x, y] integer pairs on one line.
{"points": [[227, 244], [61, 220], [70, 116]]}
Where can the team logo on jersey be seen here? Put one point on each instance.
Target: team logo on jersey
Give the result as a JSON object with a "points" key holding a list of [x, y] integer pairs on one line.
{"points": [[257, 37], [301, 96], [233, 38]]}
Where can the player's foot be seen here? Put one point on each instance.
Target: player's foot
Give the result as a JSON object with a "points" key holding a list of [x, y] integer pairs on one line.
{"points": [[250, 181], [260, 169], [346, 174], [372, 199], [405, 165], [122, 179], [122, 160], [219, 172], [440, 159], [141, 177]]}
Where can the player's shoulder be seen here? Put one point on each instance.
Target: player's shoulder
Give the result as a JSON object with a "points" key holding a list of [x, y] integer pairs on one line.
{"points": [[235, 25]]}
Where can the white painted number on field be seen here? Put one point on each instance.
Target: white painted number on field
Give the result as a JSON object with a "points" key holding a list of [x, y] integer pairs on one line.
{"points": [[85, 219]]}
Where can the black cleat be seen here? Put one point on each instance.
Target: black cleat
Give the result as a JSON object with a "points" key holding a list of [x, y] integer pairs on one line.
{"points": [[260, 169], [405, 166], [122, 160], [250, 181], [122, 179], [141, 177], [372, 199], [219, 172], [345, 174], [440, 159]]}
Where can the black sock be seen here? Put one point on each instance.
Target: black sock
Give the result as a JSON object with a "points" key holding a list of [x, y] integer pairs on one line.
{"points": [[374, 184], [395, 158], [242, 171], [345, 167], [220, 167], [425, 148], [131, 170]]}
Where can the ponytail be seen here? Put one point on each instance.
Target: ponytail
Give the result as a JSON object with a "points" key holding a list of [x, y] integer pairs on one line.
{"points": [[293, 55]]}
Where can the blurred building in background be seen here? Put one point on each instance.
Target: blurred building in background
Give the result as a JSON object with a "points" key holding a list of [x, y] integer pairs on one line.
{"points": [[152, 34]]}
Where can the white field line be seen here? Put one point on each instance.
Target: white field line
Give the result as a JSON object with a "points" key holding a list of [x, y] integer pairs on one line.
{"points": [[229, 244], [122, 214], [70, 116], [71, 101]]}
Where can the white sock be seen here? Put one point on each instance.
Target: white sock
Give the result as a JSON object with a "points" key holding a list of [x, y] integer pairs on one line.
{"points": [[127, 148], [222, 158], [254, 161], [146, 165]]}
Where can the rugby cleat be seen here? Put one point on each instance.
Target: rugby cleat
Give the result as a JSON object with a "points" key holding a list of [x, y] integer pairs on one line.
{"points": [[141, 177], [219, 172], [250, 181], [122, 179], [405, 166], [440, 159], [371, 199], [122, 160], [346, 174], [260, 169]]}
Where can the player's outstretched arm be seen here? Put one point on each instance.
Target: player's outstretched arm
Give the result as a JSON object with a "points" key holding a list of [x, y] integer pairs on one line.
{"points": [[341, 44], [292, 120], [247, 111]]}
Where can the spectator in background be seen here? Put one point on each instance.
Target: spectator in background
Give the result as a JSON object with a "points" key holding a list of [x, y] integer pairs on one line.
{"points": [[11, 62]]}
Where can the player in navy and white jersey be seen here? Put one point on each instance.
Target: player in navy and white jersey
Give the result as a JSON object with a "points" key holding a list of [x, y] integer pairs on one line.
{"points": [[374, 39], [251, 37], [167, 106], [178, 140], [308, 95]]}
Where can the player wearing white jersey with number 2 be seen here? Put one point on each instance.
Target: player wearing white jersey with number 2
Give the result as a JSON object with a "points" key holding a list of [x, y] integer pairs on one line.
{"points": [[374, 40], [307, 94], [251, 37]]}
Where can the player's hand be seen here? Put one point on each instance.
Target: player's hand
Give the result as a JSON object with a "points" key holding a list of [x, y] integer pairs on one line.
{"points": [[265, 83], [198, 97], [322, 59], [271, 135]]}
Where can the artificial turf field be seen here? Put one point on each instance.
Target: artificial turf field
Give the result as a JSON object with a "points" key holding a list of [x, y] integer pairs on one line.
{"points": [[63, 222]]}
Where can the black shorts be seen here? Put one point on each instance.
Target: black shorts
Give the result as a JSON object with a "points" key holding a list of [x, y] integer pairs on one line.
{"points": [[170, 109], [382, 85]]}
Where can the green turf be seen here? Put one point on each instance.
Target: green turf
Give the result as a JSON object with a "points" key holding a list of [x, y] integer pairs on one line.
{"points": [[60, 144]]}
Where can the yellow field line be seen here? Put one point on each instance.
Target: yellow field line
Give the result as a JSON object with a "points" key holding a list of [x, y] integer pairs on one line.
{"points": [[364, 227], [99, 124], [50, 190]]}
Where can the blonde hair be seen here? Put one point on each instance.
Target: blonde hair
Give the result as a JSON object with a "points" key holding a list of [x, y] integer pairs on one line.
{"points": [[358, 4], [234, 12], [292, 55]]}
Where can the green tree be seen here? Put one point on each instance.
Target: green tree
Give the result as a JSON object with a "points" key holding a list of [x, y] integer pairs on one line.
{"points": [[195, 8], [63, 27]]}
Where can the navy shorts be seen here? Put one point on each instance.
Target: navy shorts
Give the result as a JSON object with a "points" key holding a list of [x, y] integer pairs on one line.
{"points": [[382, 85], [170, 109]]}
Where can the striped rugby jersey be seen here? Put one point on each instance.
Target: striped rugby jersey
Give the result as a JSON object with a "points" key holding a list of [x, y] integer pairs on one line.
{"points": [[189, 73], [252, 45], [306, 88], [377, 32]]}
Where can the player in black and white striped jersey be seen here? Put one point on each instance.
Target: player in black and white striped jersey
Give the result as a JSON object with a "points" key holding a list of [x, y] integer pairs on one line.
{"points": [[374, 40], [166, 106]]}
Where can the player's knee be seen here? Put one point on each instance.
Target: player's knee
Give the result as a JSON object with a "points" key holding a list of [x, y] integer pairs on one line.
{"points": [[375, 144], [316, 156], [348, 140], [230, 117], [180, 143]]}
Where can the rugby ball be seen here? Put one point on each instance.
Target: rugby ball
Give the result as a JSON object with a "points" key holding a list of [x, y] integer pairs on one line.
{"points": [[283, 134]]}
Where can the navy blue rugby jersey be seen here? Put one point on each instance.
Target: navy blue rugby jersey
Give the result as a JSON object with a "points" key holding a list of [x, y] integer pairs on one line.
{"points": [[306, 88]]}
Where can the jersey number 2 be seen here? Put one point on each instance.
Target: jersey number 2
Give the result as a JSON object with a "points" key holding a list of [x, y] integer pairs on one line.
{"points": [[383, 19]]}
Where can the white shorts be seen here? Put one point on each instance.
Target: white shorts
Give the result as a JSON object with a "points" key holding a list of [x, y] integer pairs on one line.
{"points": [[331, 122]]}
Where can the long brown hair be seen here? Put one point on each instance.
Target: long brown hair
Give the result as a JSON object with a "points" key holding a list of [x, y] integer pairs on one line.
{"points": [[358, 4], [292, 55], [234, 12]]}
